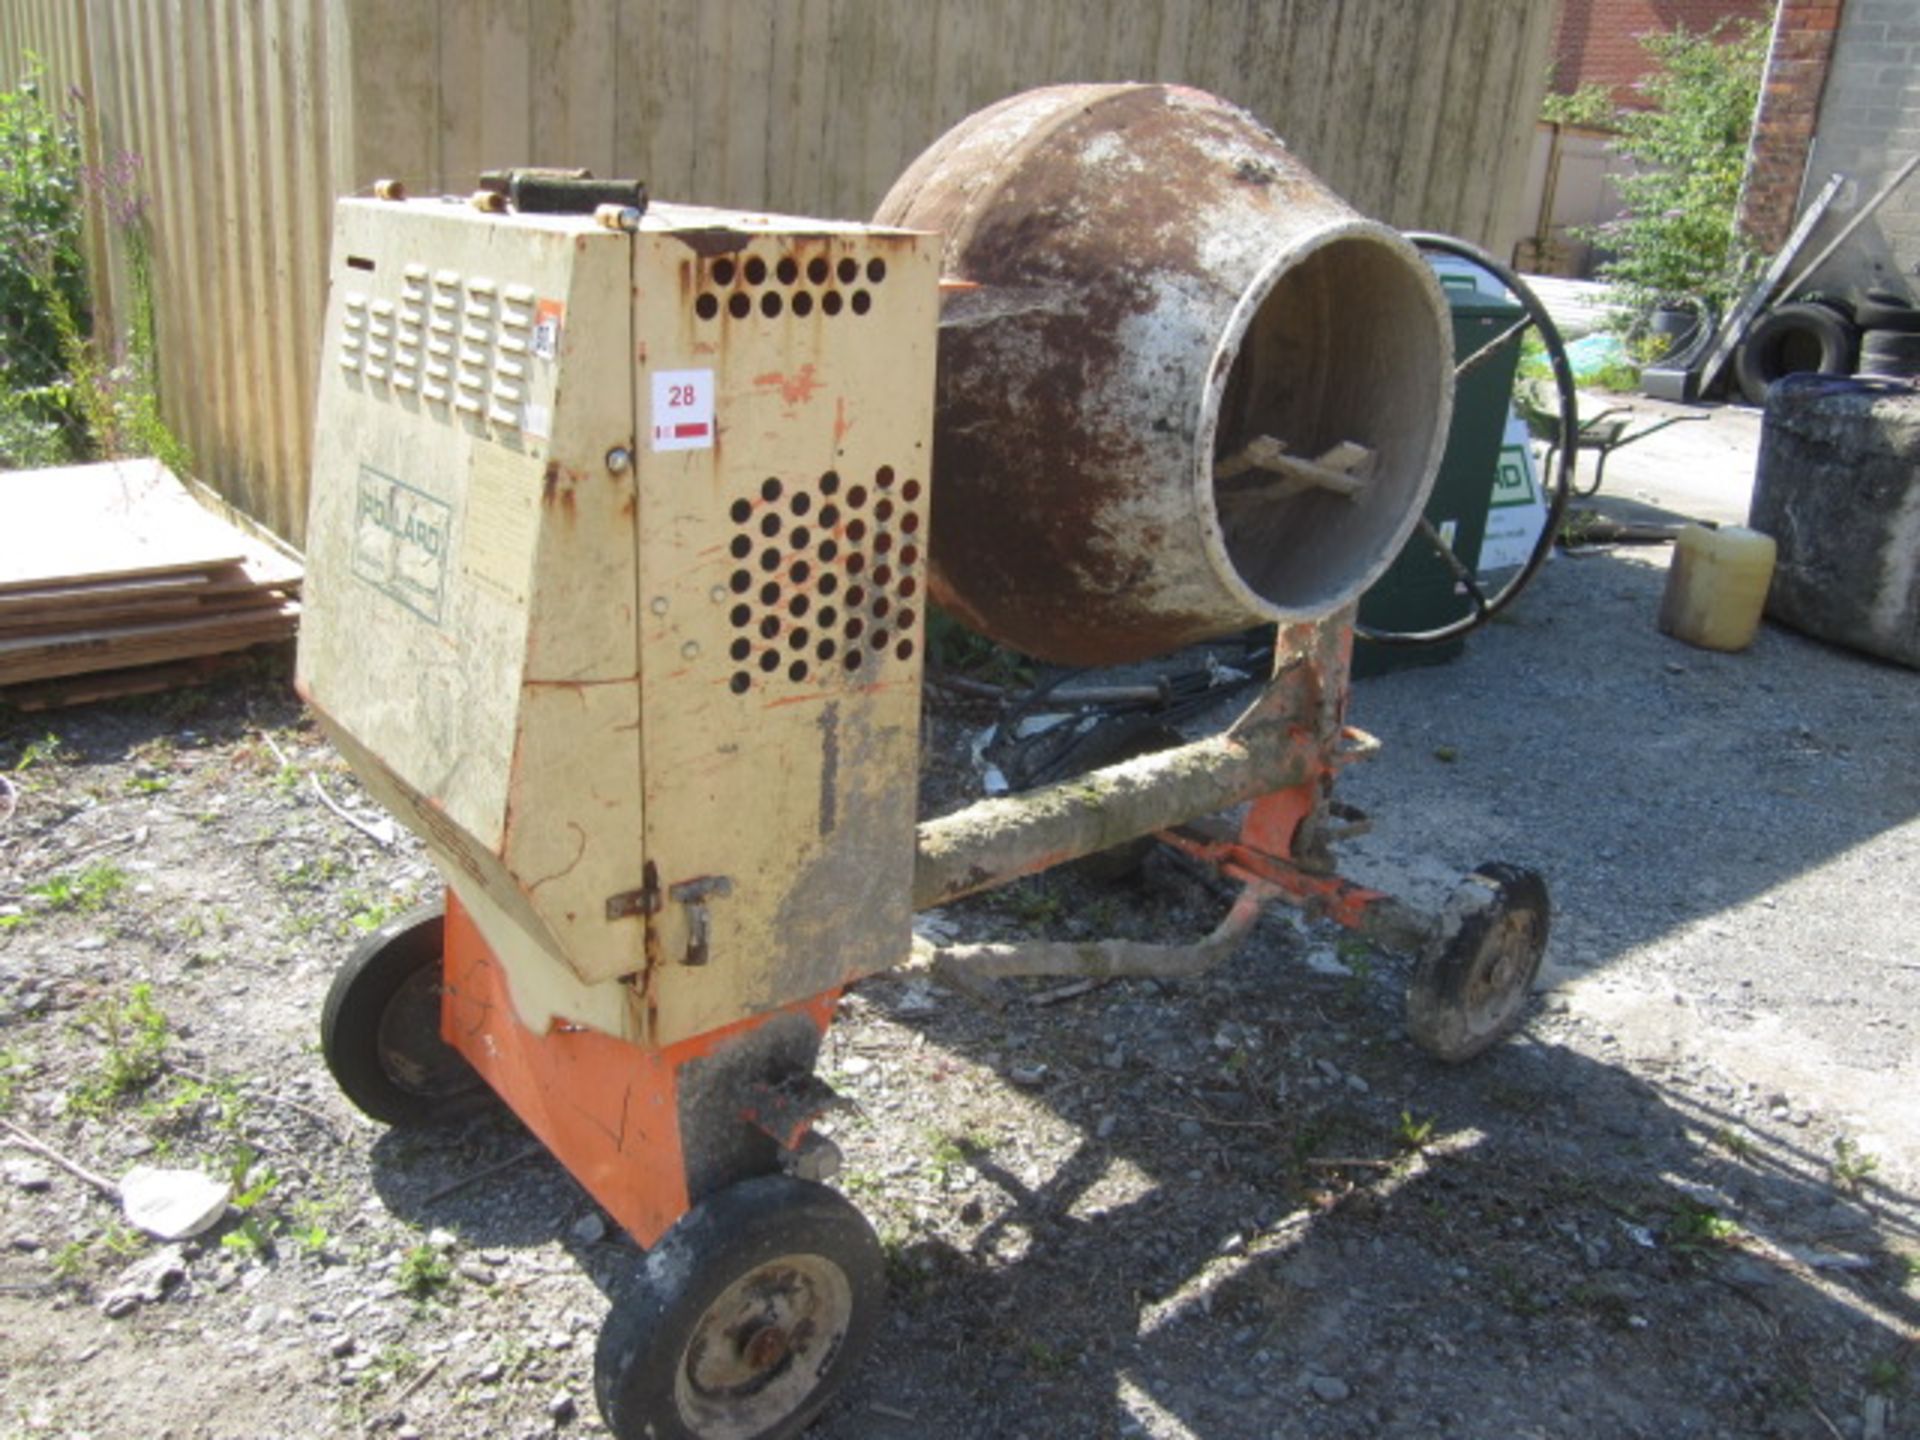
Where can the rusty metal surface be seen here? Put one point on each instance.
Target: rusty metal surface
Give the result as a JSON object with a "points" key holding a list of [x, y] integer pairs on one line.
{"points": [[1119, 240], [1292, 735]]}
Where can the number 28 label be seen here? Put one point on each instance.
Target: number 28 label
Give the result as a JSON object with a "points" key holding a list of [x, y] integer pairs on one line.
{"points": [[683, 410]]}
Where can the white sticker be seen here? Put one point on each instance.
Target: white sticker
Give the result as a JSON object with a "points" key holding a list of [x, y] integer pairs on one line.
{"points": [[683, 409]]}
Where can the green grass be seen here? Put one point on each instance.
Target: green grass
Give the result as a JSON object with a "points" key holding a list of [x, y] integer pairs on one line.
{"points": [[87, 891], [423, 1272], [1850, 1164], [134, 1034]]}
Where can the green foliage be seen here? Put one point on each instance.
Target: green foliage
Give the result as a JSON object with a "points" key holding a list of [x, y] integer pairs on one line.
{"points": [[1676, 238], [1851, 1164], [42, 280], [423, 1272], [1590, 106], [1413, 1133], [134, 1033], [1701, 1227], [64, 393], [87, 891]]}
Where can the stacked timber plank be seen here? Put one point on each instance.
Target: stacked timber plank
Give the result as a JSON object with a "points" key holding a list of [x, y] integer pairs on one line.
{"points": [[115, 580]]}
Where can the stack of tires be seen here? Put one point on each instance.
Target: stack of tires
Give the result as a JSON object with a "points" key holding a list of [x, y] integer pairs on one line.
{"points": [[1878, 336], [1807, 337], [1889, 337]]}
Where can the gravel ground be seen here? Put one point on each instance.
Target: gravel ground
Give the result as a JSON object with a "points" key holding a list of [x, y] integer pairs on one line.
{"points": [[1682, 1202]]}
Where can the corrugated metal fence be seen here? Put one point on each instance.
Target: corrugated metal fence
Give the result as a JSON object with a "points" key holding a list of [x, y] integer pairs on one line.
{"points": [[250, 115]]}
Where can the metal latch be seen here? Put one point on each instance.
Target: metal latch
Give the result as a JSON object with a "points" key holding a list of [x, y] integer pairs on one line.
{"points": [[694, 894]]}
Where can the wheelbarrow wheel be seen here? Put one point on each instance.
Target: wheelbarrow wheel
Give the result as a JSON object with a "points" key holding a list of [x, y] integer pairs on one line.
{"points": [[1487, 593], [1471, 982], [380, 1027], [746, 1318]]}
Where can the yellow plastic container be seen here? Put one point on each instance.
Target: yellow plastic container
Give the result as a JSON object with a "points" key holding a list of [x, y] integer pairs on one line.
{"points": [[1717, 586]]}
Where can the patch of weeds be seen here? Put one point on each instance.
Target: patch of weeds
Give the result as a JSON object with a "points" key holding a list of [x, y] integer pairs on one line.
{"points": [[307, 1224], [1412, 1133], [87, 891], [44, 751], [189, 1100], [366, 915], [135, 1034], [117, 1244], [423, 1272], [253, 1181], [1736, 1143], [1886, 1375], [954, 1153], [148, 784], [70, 1260], [1850, 1164], [859, 1182], [1695, 1228]]}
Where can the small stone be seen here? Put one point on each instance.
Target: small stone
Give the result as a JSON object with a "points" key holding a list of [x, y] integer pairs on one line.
{"points": [[442, 1240], [1027, 1075], [29, 1176], [490, 1372], [561, 1408], [342, 1346], [476, 1272], [1329, 1388], [1192, 1129], [1104, 1130], [854, 1066], [590, 1229], [1355, 1083], [90, 944]]}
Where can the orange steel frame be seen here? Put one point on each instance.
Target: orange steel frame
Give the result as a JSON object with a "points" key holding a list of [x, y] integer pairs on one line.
{"points": [[606, 1108]]}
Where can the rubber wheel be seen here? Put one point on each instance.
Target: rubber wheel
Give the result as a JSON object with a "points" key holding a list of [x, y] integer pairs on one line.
{"points": [[745, 1319], [1793, 340], [1883, 310], [1471, 982], [380, 1027], [1897, 345]]}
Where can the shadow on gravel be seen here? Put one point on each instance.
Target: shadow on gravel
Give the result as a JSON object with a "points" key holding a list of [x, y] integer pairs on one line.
{"points": [[1655, 785], [1569, 1250]]}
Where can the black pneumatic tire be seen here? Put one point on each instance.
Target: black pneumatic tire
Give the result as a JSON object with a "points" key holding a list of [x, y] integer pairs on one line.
{"points": [[380, 1027], [1889, 345], [745, 1319], [1792, 340], [1471, 982], [1883, 310]]}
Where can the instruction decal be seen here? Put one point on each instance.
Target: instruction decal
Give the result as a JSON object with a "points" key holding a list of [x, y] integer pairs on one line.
{"points": [[546, 328], [683, 409]]}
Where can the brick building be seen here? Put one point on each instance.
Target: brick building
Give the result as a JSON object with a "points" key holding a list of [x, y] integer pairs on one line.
{"points": [[1841, 96], [1598, 42]]}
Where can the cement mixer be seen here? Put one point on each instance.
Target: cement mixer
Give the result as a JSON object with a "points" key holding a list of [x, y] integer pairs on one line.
{"points": [[626, 518]]}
